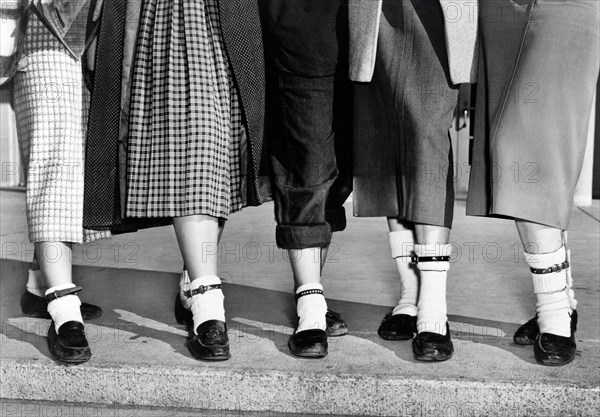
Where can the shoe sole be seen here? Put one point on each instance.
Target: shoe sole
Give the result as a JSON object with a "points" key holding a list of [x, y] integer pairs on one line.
{"points": [[331, 332], [556, 363], [86, 354], [432, 358], [394, 338], [316, 351]]}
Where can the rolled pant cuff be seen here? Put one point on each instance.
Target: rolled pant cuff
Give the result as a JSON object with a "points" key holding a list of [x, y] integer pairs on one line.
{"points": [[336, 217], [303, 236]]}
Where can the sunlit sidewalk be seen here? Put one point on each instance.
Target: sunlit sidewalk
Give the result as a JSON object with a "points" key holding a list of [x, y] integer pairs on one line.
{"points": [[140, 357]]}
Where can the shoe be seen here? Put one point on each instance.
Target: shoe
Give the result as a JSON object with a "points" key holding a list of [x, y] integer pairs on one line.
{"points": [[429, 346], [211, 342], [183, 315], [553, 350], [397, 327], [336, 326], [35, 306], [310, 343], [528, 332], [69, 345]]}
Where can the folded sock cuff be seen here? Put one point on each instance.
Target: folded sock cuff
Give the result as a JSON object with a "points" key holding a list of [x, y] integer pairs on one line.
{"points": [[205, 280], [59, 288], [549, 283]]}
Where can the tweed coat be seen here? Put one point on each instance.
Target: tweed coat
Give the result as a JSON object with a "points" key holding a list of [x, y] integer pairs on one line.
{"points": [[61, 17], [240, 26], [461, 38]]}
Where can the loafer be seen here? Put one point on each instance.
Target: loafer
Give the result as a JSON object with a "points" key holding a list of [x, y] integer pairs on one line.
{"points": [[429, 346], [528, 332], [397, 327], [310, 343], [553, 350], [34, 306], [211, 342], [69, 345], [183, 315], [336, 326]]}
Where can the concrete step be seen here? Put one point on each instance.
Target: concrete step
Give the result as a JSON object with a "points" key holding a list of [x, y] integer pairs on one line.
{"points": [[140, 358]]}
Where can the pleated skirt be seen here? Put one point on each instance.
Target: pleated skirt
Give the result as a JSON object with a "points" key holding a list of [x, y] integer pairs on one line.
{"points": [[186, 123]]}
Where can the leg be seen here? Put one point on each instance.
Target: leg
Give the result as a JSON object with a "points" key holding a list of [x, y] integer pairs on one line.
{"points": [[66, 337], [198, 238], [432, 342], [401, 323], [548, 259], [305, 61]]}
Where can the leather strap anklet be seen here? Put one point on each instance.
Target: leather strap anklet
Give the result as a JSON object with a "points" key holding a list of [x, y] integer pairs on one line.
{"points": [[551, 269], [61, 293], [417, 259], [308, 292], [201, 290]]}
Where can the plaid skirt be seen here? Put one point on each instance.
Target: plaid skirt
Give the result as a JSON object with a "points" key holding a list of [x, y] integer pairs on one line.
{"points": [[185, 119], [51, 108]]}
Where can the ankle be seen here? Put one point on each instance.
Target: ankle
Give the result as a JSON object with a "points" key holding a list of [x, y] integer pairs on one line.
{"points": [[207, 300], [311, 307], [64, 308]]}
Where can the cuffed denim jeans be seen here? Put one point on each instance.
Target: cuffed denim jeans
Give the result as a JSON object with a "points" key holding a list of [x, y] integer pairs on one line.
{"points": [[309, 95]]}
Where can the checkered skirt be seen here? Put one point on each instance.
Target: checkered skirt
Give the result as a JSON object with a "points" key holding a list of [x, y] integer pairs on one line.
{"points": [[185, 125], [51, 108]]}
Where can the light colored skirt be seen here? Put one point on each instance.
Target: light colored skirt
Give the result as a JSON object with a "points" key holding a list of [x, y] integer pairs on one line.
{"points": [[51, 107], [537, 77]]}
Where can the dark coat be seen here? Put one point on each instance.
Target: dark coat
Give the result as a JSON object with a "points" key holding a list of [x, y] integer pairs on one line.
{"points": [[106, 147]]}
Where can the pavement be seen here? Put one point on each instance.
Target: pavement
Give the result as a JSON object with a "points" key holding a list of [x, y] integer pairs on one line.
{"points": [[140, 357]]}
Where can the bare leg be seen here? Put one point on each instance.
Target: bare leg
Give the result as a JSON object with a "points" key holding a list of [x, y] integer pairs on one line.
{"points": [[538, 238], [198, 238], [55, 262], [306, 265]]}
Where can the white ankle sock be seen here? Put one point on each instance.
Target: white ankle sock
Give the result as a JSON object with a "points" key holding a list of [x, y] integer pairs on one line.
{"points": [[184, 285], [64, 309], [432, 308], [311, 309], [553, 304], [35, 283], [207, 306], [402, 246]]}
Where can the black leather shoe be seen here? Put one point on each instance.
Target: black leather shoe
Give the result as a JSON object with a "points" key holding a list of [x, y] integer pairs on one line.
{"points": [[336, 326], [429, 346], [553, 350], [182, 314], [310, 343], [69, 345], [527, 333], [34, 306], [397, 327], [211, 342]]}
